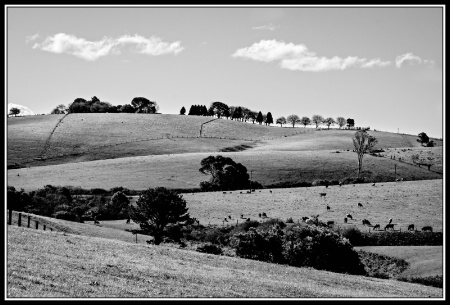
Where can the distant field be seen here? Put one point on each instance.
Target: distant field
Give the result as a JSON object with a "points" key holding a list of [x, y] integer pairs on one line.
{"points": [[181, 170], [43, 264], [424, 260], [412, 202]]}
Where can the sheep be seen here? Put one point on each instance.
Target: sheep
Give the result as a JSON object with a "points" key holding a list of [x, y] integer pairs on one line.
{"points": [[360, 205], [259, 214], [224, 192], [349, 216], [309, 221], [366, 222], [328, 208], [305, 218], [225, 219], [411, 227], [390, 220], [330, 223], [229, 216], [377, 226], [264, 214], [247, 220], [340, 183], [427, 228], [128, 220], [389, 226], [323, 194], [373, 184], [271, 191], [242, 215], [345, 219]]}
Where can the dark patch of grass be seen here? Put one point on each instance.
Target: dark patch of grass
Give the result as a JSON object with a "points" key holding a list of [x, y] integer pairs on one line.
{"points": [[434, 281], [382, 266], [236, 148]]}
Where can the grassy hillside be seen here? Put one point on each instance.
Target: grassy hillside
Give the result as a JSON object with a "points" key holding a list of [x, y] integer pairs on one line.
{"points": [[48, 264], [97, 136], [424, 260], [181, 170]]}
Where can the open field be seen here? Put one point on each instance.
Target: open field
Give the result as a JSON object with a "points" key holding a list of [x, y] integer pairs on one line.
{"points": [[424, 260], [49, 264], [181, 170]]}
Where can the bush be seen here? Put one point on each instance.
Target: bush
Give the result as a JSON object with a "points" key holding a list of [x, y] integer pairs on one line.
{"points": [[65, 215], [210, 248], [382, 266]]}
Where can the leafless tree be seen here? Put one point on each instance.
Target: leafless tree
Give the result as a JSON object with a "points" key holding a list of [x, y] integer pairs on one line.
{"points": [[363, 143], [341, 121], [317, 119], [293, 119]]}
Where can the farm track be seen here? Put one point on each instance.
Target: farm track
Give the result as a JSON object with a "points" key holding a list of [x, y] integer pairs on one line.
{"points": [[47, 142]]}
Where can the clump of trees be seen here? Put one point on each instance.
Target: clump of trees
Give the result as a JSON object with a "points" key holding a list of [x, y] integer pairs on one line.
{"points": [[14, 111], [94, 105], [226, 174], [198, 110]]}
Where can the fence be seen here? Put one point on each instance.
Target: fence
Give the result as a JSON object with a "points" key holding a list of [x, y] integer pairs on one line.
{"points": [[19, 221]]}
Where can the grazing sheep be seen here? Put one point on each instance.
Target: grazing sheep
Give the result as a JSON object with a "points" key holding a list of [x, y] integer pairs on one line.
{"points": [[229, 216], [330, 223], [390, 220], [373, 184], [248, 219], [349, 216], [241, 192], [242, 215], [128, 220], [224, 192], [411, 227], [264, 214], [328, 208], [259, 214], [305, 218], [249, 192], [323, 194], [271, 191], [340, 183], [360, 205], [345, 220], [427, 228], [365, 222], [225, 219], [376, 227], [389, 226], [253, 190]]}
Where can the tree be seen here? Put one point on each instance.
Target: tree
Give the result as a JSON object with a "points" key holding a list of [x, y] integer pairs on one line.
{"points": [[281, 120], [293, 119], [259, 118], [423, 138], [118, 206], [305, 121], [236, 113], [141, 104], [14, 111], [225, 174], [127, 108], [317, 119], [340, 121], [219, 108], [157, 208], [269, 119], [183, 110], [227, 113], [252, 116], [79, 105], [329, 121], [363, 143], [60, 109], [350, 123]]}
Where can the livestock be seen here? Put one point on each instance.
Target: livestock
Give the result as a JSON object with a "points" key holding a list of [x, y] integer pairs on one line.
{"points": [[376, 227], [349, 216], [328, 208], [330, 223], [259, 214], [323, 194], [264, 214], [309, 221], [360, 205], [241, 192], [242, 215], [229, 216], [345, 220], [373, 184], [224, 192], [225, 219], [389, 226], [271, 191], [390, 220], [427, 229], [247, 220], [253, 190], [305, 218], [365, 222], [411, 227], [340, 183], [128, 220]]}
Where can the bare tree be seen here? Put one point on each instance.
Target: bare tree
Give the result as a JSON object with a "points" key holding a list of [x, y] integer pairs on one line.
{"points": [[329, 121], [317, 119], [305, 121], [341, 121], [363, 143], [293, 119]]}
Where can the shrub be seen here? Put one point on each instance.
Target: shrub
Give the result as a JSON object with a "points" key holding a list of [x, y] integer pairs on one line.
{"points": [[210, 248], [65, 215]]}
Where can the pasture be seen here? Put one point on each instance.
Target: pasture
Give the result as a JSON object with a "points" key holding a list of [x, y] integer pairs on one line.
{"points": [[409, 202], [182, 170], [60, 265]]}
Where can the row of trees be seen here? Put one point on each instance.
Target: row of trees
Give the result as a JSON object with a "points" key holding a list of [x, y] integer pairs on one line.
{"points": [[238, 113], [316, 119], [94, 105]]}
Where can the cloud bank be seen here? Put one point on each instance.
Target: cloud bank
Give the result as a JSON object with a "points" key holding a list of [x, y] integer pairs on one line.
{"points": [[297, 57], [409, 57], [92, 50]]}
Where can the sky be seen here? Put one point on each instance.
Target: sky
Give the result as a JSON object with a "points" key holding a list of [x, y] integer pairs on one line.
{"points": [[381, 66]]}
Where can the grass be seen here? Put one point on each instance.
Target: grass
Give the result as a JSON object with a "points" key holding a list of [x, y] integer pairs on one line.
{"points": [[43, 264], [423, 260], [182, 170]]}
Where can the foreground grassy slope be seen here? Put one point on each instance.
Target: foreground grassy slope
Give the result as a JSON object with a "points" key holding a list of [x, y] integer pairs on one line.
{"points": [[48, 264], [424, 260], [181, 170]]}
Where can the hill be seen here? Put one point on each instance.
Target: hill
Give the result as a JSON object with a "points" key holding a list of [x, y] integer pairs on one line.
{"points": [[43, 264]]}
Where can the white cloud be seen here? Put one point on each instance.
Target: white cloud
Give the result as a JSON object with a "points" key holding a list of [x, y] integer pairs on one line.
{"points": [[23, 110], [298, 57], [269, 27], [93, 50], [32, 37], [407, 57]]}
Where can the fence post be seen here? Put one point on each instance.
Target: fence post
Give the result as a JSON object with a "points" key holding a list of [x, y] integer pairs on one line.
{"points": [[10, 217], [44, 227], [29, 220], [19, 221], [37, 224]]}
